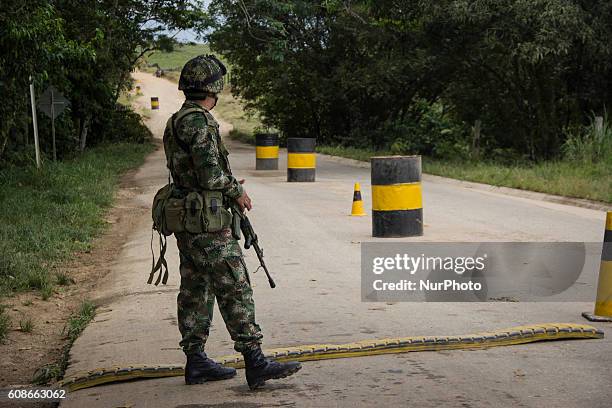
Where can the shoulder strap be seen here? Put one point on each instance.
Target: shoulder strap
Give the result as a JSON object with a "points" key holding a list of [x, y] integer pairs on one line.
{"points": [[177, 117], [161, 265]]}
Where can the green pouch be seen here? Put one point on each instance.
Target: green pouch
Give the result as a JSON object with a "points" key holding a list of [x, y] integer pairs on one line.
{"points": [[216, 216], [174, 215], [194, 203], [160, 201]]}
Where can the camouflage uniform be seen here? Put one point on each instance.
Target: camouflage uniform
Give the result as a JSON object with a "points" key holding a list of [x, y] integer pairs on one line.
{"points": [[211, 264]]}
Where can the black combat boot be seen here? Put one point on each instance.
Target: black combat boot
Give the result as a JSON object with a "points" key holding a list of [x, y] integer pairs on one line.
{"points": [[200, 368], [259, 369]]}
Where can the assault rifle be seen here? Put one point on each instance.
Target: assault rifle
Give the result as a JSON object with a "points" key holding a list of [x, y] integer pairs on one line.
{"points": [[250, 239]]}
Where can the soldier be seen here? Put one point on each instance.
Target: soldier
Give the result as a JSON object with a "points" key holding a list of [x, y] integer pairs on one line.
{"points": [[211, 263]]}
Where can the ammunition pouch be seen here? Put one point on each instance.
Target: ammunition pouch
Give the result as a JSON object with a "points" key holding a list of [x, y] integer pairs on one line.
{"points": [[196, 212], [174, 212]]}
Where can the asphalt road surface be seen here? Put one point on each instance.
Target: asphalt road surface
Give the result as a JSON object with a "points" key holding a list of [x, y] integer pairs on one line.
{"points": [[312, 247]]}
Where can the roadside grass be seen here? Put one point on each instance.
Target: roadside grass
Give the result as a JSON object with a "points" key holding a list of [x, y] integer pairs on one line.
{"points": [[566, 178], [244, 123], [352, 152], [26, 324], [176, 59], [62, 279], [73, 329], [172, 62], [5, 323], [46, 215], [126, 98]]}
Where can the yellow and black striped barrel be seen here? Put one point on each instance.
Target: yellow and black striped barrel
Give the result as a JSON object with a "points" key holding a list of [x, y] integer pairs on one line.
{"points": [[301, 159], [603, 302], [397, 200], [154, 102], [266, 151]]}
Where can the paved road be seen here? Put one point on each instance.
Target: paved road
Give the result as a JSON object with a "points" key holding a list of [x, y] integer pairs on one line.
{"points": [[312, 247]]}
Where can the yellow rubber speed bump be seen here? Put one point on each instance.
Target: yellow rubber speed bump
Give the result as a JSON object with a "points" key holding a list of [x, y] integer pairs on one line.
{"points": [[357, 209], [505, 337], [603, 301], [154, 102]]}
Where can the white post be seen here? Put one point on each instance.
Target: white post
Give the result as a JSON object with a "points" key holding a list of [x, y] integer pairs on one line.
{"points": [[53, 125], [598, 123], [476, 137], [34, 123]]}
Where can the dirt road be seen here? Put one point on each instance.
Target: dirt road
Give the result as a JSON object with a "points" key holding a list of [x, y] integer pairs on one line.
{"points": [[313, 249]]}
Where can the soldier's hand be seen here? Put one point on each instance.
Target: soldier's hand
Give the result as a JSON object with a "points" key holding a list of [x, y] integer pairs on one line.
{"points": [[244, 201]]}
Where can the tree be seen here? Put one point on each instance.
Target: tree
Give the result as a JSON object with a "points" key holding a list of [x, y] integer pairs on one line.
{"points": [[375, 73], [86, 48]]}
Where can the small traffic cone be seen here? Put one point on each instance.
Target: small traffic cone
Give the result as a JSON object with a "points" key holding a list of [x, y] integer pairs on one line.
{"points": [[357, 210]]}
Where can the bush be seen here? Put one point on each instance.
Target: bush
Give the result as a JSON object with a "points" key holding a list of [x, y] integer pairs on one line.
{"points": [[428, 131], [591, 144], [124, 125]]}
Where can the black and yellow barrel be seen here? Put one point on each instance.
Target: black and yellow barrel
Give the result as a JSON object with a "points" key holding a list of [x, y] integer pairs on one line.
{"points": [[266, 151], [301, 159], [603, 301], [154, 102], [397, 199]]}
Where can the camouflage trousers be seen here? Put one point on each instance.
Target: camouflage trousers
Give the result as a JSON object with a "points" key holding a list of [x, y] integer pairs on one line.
{"points": [[212, 267]]}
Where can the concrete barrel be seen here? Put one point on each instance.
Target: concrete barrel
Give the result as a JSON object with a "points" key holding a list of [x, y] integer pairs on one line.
{"points": [[301, 159], [154, 102], [266, 151], [397, 199]]}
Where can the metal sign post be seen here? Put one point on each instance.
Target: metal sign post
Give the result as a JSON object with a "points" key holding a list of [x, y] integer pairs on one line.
{"points": [[34, 123], [53, 103]]}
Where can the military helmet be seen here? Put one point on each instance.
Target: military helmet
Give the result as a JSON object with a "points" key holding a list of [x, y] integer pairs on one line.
{"points": [[201, 75]]}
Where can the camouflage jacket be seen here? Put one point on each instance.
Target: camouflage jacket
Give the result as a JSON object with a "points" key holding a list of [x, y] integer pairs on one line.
{"points": [[205, 166]]}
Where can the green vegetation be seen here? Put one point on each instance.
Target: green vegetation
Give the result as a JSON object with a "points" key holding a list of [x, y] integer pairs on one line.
{"points": [[63, 279], [582, 170], [561, 177], [75, 326], [26, 324], [244, 123], [5, 323], [87, 50], [175, 59], [47, 215], [416, 76]]}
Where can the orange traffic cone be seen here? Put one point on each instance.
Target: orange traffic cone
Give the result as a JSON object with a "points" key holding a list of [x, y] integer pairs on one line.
{"points": [[603, 301], [357, 210]]}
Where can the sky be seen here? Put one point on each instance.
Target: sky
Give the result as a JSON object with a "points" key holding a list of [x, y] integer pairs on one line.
{"points": [[188, 35]]}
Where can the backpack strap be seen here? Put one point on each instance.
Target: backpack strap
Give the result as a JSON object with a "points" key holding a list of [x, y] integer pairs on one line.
{"points": [[177, 117], [161, 265]]}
